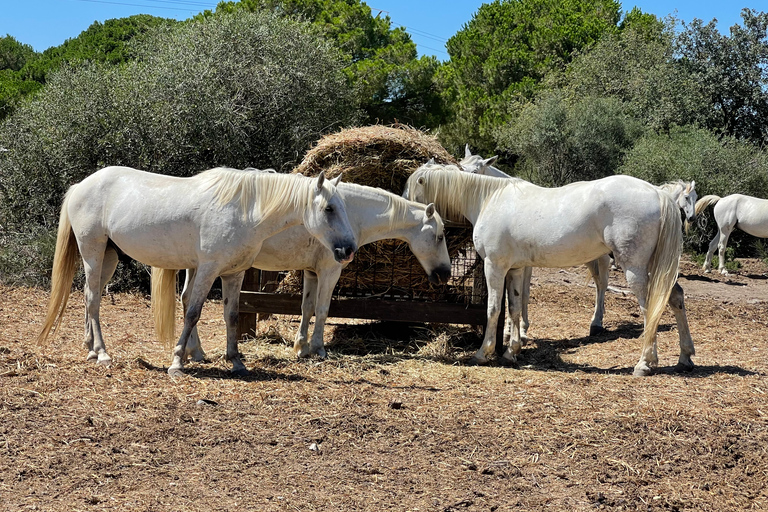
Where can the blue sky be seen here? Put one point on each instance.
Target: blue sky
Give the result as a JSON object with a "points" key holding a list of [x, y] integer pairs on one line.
{"points": [[46, 23]]}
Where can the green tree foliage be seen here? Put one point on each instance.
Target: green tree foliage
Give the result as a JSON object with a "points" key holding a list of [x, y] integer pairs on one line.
{"points": [[246, 90], [392, 84], [101, 42], [720, 165], [732, 72], [637, 67], [502, 54], [23, 71], [13, 86], [559, 141]]}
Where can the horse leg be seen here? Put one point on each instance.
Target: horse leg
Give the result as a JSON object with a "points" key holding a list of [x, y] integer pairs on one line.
{"points": [[93, 263], [710, 252], [677, 304], [494, 278], [637, 278], [194, 346], [326, 283], [202, 283], [300, 345], [515, 297], [509, 329], [108, 267], [599, 269], [725, 232], [230, 290]]}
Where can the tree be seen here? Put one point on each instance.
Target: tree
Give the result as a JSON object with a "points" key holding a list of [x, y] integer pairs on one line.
{"points": [[559, 141], [500, 56], [246, 90], [732, 74], [637, 66], [392, 84]]}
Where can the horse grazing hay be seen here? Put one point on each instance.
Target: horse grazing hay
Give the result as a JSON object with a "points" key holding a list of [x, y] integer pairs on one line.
{"points": [[384, 157]]}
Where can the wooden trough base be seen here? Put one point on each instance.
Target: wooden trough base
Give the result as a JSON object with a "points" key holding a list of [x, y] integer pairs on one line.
{"points": [[253, 303]]}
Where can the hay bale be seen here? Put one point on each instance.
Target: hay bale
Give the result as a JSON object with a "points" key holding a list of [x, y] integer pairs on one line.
{"points": [[383, 157], [376, 156]]}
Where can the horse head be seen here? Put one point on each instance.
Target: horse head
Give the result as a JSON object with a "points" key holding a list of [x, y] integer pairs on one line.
{"points": [[327, 219], [428, 245]]}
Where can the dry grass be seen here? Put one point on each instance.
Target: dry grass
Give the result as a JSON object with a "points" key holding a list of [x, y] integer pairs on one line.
{"points": [[392, 420], [383, 157]]}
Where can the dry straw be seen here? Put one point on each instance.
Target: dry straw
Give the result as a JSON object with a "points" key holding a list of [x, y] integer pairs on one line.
{"points": [[384, 157]]}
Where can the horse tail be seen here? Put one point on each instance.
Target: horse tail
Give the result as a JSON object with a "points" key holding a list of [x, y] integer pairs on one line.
{"points": [[706, 201], [164, 304], [663, 267], [65, 260]]}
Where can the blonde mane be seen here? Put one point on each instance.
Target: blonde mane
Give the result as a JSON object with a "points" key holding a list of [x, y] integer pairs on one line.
{"points": [[455, 192], [259, 193]]}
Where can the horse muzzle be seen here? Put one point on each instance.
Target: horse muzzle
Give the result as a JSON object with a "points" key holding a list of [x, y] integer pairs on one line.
{"points": [[344, 254], [440, 275]]}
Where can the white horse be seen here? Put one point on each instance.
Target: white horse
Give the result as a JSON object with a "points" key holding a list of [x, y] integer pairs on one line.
{"points": [[476, 164], [749, 214], [374, 214], [214, 222], [518, 225], [683, 194]]}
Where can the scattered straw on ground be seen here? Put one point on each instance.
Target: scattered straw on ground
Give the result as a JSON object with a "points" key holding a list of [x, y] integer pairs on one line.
{"points": [[392, 420]]}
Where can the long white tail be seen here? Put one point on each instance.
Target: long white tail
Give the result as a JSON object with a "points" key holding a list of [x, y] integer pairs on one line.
{"points": [[705, 202], [65, 261], [164, 304], [663, 267]]}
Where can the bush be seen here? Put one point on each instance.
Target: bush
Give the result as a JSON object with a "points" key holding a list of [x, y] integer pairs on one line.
{"points": [[719, 166], [246, 90]]}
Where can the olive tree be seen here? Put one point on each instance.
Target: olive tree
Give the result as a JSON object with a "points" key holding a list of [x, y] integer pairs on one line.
{"points": [[246, 90]]}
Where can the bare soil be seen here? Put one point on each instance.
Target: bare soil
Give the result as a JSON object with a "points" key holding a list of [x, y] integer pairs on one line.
{"points": [[393, 419]]}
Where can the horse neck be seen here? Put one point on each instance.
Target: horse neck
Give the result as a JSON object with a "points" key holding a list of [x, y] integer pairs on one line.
{"points": [[376, 215], [466, 194]]}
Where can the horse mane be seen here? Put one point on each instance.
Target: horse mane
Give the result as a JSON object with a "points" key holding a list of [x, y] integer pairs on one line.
{"points": [[671, 186], [270, 192], [398, 208], [455, 192]]}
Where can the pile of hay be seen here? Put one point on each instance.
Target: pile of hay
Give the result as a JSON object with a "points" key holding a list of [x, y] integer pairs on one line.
{"points": [[376, 156], [384, 157]]}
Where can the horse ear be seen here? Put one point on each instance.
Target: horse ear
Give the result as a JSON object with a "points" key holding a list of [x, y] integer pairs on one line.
{"points": [[693, 185], [467, 152], [490, 161], [320, 181], [336, 180], [430, 210], [431, 161]]}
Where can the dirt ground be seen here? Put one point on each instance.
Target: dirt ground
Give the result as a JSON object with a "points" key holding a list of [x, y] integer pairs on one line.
{"points": [[393, 420]]}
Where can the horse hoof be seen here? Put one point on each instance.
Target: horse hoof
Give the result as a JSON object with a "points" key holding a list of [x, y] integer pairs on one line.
{"points": [[508, 361], [595, 330], [321, 353], [642, 371], [684, 367], [241, 372], [104, 361], [476, 361], [175, 372]]}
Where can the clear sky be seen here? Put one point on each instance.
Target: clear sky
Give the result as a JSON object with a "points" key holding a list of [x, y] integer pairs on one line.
{"points": [[46, 23]]}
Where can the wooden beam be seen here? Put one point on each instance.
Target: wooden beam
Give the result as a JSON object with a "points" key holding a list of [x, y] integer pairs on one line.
{"points": [[368, 308]]}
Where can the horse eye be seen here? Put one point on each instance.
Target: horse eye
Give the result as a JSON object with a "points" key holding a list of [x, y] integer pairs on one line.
{"points": [[440, 238], [329, 209]]}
